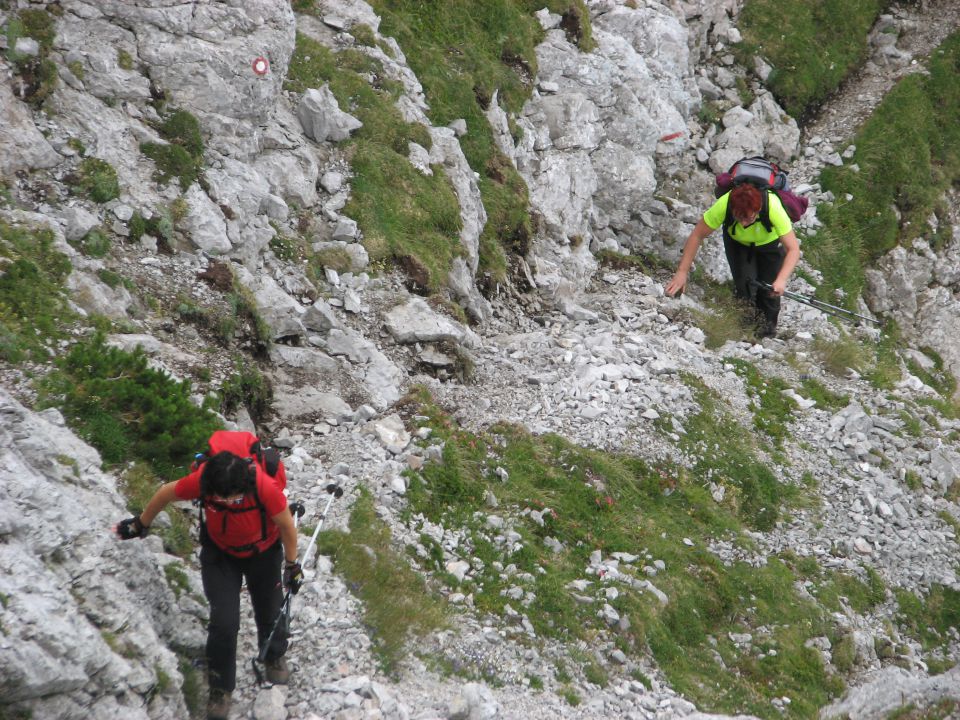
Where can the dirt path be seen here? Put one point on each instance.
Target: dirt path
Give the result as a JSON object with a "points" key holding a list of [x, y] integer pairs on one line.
{"points": [[922, 27]]}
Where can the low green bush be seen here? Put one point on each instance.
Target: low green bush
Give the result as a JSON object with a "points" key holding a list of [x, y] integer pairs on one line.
{"points": [[95, 179], [126, 409], [95, 244], [182, 157], [172, 161], [247, 388], [33, 300]]}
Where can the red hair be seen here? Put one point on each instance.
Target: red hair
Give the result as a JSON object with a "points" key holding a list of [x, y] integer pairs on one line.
{"points": [[745, 200]]}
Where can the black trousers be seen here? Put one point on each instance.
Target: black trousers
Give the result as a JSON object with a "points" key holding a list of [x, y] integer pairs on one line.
{"points": [[750, 263], [222, 576]]}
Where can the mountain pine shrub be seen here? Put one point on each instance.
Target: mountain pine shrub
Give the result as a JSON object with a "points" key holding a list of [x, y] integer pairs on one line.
{"points": [[126, 409]]}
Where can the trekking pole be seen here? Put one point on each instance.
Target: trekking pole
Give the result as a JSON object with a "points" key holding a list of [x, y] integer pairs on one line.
{"points": [[820, 305], [286, 609], [335, 492]]}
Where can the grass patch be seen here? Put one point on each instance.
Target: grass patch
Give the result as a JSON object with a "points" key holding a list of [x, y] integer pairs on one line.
{"points": [[248, 388], [36, 76], [771, 408], [405, 216], [95, 244], [396, 600], [96, 179], [727, 319], [238, 315], [33, 303], [824, 396], [177, 578], [126, 409], [812, 53], [938, 376], [840, 356], [907, 155], [929, 619], [588, 501], [192, 687], [182, 156], [834, 588], [731, 461], [462, 56], [139, 482], [124, 60]]}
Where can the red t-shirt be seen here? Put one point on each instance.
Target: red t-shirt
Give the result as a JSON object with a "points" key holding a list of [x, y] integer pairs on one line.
{"points": [[230, 530]]}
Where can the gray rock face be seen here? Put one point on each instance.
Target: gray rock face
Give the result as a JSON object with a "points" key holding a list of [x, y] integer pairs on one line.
{"points": [[64, 580], [322, 119], [103, 75], [202, 54], [588, 144], [763, 129], [22, 146], [892, 689], [415, 321]]}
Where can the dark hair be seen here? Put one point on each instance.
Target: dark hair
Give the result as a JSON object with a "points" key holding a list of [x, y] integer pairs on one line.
{"points": [[745, 200], [226, 474]]}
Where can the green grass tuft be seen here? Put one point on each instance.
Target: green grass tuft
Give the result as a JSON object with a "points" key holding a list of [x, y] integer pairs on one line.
{"points": [[396, 601], [95, 179], [182, 157], [907, 155], [590, 501], [813, 45]]}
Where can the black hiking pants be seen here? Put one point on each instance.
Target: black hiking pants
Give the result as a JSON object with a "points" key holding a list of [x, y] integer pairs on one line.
{"points": [[750, 264], [222, 576]]}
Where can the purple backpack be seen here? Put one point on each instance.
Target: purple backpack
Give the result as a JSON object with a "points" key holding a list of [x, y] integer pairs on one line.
{"points": [[765, 175]]}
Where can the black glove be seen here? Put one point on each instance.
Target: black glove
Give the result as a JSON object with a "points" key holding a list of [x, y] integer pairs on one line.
{"points": [[132, 528], [292, 576]]}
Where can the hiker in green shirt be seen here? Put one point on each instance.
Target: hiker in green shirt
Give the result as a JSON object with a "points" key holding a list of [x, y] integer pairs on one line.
{"points": [[760, 246]]}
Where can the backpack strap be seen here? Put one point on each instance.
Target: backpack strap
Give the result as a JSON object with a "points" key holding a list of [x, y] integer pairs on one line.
{"points": [[228, 510]]}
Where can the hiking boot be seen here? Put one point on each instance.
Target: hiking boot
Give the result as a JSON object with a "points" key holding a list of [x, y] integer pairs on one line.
{"points": [[767, 330], [218, 706], [277, 671]]}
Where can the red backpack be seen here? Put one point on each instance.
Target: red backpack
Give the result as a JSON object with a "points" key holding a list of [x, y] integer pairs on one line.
{"points": [[245, 445]]}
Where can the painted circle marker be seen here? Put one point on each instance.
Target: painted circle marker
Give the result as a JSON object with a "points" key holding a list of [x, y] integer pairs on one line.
{"points": [[260, 66]]}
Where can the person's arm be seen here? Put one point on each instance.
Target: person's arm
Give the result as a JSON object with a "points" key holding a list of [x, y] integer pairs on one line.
{"points": [[288, 534], [139, 525], [789, 241], [690, 248], [161, 498]]}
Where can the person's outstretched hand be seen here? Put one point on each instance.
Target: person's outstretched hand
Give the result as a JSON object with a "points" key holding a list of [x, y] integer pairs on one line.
{"points": [[131, 528], [677, 284]]}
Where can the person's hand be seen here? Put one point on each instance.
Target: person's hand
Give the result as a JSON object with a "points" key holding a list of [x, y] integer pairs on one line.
{"points": [[778, 287], [292, 576], [131, 528], [677, 284]]}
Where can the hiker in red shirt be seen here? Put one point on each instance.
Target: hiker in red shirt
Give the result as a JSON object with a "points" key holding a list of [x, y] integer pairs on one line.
{"points": [[245, 528]]}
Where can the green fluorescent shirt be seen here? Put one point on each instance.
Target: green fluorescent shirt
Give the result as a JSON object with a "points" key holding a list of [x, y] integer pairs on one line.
{"points": [[756, 234]]}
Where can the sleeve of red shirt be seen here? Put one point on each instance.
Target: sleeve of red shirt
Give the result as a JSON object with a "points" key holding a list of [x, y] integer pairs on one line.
{"points": [[271, 495], [188, 487]]}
